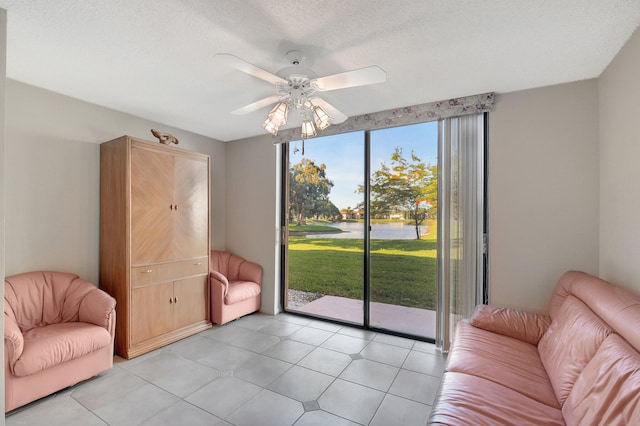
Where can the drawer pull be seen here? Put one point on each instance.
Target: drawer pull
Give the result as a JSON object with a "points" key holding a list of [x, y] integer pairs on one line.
{"points": [[197, 264], [148, 271]]}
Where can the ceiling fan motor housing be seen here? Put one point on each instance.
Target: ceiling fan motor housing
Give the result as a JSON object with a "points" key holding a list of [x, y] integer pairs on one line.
{"points": [[297, 89]]}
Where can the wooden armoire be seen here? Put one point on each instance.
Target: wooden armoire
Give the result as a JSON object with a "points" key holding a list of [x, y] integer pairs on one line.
{"points": [[154, 241]]}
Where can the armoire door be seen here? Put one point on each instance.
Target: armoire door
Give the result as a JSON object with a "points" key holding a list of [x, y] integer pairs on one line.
{"points": [[190, 300], [153, 307], [152, 217], [191, 208]]}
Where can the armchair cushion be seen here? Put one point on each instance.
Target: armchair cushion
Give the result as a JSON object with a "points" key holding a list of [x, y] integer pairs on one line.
{"points": [[241, 290], [54, 344]]}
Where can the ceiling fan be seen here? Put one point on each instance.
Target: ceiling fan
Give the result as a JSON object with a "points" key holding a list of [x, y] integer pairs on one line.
{"points": [[297, 88]]}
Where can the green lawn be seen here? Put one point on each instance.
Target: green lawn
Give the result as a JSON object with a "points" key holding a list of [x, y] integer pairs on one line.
{"points": [[403, 272]]}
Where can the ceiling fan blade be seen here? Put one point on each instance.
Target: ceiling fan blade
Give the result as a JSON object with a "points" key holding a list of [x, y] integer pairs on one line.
{"points": [[244, 66], [343, 80], [337, 116], [257, 105]]}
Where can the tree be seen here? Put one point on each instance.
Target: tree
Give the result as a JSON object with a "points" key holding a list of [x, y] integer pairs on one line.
{"points": [[308, 189], [328, 210], [405, 186]]}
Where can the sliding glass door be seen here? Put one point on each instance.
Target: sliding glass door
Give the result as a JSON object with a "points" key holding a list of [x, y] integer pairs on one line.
{"points": [[326, 231], [363, 216], [403, 180]]}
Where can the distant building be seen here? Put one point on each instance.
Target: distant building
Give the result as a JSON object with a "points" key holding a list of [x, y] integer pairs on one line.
{"points": [[351, 214]]}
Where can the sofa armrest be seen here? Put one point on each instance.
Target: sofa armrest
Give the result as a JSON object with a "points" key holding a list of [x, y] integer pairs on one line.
{"points": [[219, 283], [13, 341], [526, 326], [98, 308], [250, 271]]}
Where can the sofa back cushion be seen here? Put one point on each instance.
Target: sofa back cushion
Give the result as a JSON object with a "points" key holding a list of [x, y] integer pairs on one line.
{"points": [[571, 341], [607, 390], [42, 298], [616, 306]]}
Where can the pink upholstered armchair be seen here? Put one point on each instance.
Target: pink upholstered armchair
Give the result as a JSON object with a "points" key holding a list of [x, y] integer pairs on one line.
{"points": [[58, 330], [236, 285]]}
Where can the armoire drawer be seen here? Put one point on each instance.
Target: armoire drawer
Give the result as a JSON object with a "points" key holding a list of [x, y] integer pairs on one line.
{"points": [[161, 272]]}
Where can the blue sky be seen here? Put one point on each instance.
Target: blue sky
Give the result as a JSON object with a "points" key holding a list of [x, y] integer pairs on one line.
{"points": [[344, 155]]}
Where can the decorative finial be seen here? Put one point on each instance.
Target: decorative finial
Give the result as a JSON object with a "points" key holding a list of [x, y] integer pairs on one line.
{"points": [[164, 138]]}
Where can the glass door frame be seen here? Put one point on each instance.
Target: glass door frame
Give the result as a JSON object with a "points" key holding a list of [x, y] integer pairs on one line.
{"points": [[284, 224]]}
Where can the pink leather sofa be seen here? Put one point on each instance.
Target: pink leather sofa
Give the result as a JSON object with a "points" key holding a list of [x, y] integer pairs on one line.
{"points": [[58, 330], [236, 286], [578, 365]]}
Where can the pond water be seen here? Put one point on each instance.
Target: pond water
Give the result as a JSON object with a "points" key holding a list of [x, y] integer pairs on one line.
{"points": [[379, 231]]}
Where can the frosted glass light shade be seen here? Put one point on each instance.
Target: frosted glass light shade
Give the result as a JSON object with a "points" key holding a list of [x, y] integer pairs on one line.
{"points": [[270, 126], [321, 118], [278, 114], [308, 129]]}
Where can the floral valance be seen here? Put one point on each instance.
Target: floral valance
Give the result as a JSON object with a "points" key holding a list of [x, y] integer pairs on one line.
{"points": [[401, 116]]}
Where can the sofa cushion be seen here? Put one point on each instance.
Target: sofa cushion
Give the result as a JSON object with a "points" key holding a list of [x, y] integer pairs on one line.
{"points": [[526, 326], [469, 400], [501, 359], [571, 341], [607, 391], [241, 290], [50, 345]]}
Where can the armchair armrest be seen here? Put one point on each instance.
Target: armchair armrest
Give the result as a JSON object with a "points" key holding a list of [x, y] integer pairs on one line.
{"points": [[13, 341], [526, 326], [98, 308], [219, 283], [250, 271]]}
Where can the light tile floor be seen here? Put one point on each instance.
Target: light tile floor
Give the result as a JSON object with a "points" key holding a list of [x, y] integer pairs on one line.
{"points": [[258, 370]]}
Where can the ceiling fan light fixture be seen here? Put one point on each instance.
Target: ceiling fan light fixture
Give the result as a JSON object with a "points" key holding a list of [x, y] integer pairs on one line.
{"points": [[295, 89], [321, 118], [278, 114], [308, 129], [270, 126]]}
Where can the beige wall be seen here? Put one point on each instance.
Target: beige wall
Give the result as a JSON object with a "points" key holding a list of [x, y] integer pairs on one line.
{"points": [[543, 190], [619, 91], [252, 202], [52, 171]]}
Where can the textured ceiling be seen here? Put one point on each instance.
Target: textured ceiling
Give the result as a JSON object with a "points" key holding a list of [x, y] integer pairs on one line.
{"points": [[154, 59]]}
